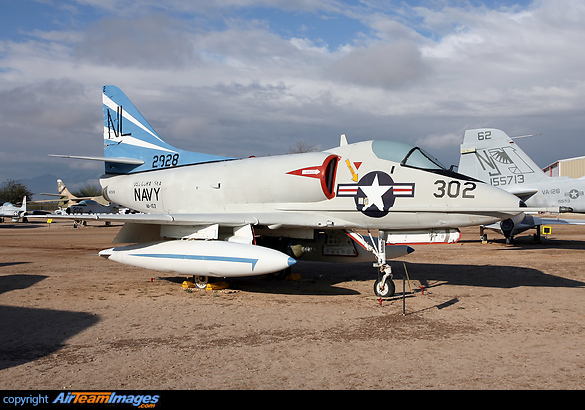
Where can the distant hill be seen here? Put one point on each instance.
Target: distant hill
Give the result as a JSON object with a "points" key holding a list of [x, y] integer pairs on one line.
{"points": [[42, 183]]}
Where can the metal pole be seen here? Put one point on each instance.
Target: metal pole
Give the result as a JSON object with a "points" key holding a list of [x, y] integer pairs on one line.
{"points": [[403, 296]]}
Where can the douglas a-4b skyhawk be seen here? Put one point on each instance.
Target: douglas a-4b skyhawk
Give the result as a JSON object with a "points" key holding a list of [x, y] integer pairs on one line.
{"points": [[212, 216]]}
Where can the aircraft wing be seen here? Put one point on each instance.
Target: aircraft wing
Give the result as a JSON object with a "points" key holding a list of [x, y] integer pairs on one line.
{"points": [[298, 218], [558, 221], [272, 219], [48, 201]]}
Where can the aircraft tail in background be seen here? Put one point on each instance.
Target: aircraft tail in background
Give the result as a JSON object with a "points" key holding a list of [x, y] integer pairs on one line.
{"points": [[490, 155], [63, 191]]}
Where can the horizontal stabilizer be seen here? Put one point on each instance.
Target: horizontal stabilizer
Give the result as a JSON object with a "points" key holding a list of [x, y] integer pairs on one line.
{"points": [[129, 161]]}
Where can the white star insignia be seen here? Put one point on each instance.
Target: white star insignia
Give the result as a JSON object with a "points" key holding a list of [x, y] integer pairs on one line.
{"points": [[374, 193]]}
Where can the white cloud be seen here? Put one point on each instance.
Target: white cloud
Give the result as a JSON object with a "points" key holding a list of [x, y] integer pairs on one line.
{"points": [[437, 141], [152, 41], [420, 75], [390, 65]]}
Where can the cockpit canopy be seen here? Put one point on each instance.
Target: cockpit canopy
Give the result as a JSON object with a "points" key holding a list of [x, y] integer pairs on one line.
{"points": [[413, 157], [87, 202], [406, 155]]}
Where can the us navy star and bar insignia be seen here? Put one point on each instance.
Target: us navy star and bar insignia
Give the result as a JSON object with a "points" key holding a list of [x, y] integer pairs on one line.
{"points": [[375, 193]]}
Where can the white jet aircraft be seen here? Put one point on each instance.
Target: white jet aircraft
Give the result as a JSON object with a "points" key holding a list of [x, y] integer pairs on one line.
{"points": [[8, 210], [491, 156], [213, 216]]}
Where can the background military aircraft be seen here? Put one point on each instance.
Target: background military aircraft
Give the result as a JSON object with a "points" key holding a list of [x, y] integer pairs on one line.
{"points": [[491, 156], [8, 210], [213, 216], [89, 206], [67, 199]]}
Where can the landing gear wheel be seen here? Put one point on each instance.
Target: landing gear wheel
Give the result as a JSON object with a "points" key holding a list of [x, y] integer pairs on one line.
{"points": [[384, 288], [200, 281]]}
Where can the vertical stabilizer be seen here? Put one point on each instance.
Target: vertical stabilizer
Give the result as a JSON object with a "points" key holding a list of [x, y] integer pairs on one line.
{"points": [[133, 145], [490, 155], [62, 189], [67, 198]]}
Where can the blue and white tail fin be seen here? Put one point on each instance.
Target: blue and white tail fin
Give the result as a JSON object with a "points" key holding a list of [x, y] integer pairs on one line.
{"points": [[490, 155], [132, 145]]}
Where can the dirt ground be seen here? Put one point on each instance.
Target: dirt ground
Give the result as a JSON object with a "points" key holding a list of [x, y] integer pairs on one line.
{"points": [[491, 316]]}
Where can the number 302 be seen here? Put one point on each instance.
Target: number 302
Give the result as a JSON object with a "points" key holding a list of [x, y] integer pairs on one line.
{"points": [[453, 189]]}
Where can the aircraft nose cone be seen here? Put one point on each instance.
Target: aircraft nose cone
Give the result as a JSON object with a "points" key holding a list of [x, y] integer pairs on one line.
{"points": [[106, 253]]}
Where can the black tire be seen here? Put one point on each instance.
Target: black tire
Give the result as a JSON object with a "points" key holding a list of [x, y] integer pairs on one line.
{"points": [[201, 281], [384, 290]]}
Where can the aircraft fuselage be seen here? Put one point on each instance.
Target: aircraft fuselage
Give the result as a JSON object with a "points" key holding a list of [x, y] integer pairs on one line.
{"points": [[557, 191], [351, 186]]}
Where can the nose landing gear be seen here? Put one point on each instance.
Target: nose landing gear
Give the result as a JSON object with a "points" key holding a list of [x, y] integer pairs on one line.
{"points": [[383, 286]]}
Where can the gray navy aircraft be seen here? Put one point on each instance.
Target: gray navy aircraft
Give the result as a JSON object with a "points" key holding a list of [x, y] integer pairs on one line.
{"points": [[491, 156]]}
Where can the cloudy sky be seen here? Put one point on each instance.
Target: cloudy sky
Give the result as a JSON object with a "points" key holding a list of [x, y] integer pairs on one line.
{"points": [[254, 77]]}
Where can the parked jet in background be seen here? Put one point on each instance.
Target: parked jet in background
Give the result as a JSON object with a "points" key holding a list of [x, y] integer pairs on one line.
{"points": [[8, 210], [67, 199], [491, 156], [88, 206], [214, 216]]}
